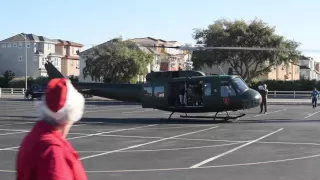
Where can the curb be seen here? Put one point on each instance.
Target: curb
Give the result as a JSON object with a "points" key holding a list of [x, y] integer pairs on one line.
{"points": [[289, 103]]}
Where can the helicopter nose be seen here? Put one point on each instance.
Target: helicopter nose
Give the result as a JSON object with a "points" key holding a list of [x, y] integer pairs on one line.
{"points": [[251, 99]]}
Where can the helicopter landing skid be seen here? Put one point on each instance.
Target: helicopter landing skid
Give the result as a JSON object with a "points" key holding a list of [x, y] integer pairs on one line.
{"points": [[224, 118], [172, 114]]}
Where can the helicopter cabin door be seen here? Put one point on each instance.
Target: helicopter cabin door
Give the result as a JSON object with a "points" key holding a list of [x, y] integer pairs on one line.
{"points": [[153, 95], [209, 94], [147, 95]]}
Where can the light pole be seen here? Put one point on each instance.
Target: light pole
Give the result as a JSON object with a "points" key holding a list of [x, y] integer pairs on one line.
{"points": [[26, 54]]}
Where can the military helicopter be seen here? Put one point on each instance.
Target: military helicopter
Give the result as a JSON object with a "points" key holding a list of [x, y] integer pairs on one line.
{"points": [[180, 91]]}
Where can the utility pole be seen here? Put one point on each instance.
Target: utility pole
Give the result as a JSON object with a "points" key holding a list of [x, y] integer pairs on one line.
{"points": [[26, 54]]}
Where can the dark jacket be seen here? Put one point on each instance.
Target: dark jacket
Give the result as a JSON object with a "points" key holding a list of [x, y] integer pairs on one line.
{"points": [[264, 93], [45, 154]]}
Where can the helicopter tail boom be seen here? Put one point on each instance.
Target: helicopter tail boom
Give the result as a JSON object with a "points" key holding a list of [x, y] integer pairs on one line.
{"points": [[121, 92]]}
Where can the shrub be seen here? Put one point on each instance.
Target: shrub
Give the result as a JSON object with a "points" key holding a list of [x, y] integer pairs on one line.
{"points": [[2, 81], [19, 82], [41, 80], [297, 85]]}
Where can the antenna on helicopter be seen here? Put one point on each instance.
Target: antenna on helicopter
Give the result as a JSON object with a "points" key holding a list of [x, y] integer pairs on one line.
{"points": [[222, 70]]}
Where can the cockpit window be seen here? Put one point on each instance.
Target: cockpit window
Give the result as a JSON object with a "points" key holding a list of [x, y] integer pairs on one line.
{"points": [[239, 85], [226, 89]]}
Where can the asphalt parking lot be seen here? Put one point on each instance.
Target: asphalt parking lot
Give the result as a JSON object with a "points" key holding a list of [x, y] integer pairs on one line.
{"points": [[123, 141]]}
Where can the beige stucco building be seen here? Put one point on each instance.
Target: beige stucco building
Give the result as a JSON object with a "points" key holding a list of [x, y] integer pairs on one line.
{"points": [[282, 72], [70, 58]]}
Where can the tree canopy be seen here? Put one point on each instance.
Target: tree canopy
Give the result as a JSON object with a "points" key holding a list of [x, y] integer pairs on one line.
{"points": [[246, 63], [117, 61]]}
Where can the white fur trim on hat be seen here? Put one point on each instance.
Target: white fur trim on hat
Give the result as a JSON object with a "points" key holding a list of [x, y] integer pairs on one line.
{"points": [[72, 110]]}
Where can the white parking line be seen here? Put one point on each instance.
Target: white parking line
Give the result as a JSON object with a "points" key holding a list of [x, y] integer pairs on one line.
{"points": [[96, 134], [14, 110], [270, 112], [234, 149], [13, 130], [143, 144], [182, 139], [141, 111], [108, 110], [168, 149], [76, 125], [311, 114], [11, 133], [90, 123], [16, 123], [9, 148]]}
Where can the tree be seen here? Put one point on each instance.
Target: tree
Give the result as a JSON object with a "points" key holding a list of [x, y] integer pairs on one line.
{"points": [[8, 75], [246, 63], [117, 61]]}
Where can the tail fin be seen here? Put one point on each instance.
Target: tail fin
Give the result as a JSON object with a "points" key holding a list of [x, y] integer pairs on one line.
{"points": [[52, 71]]}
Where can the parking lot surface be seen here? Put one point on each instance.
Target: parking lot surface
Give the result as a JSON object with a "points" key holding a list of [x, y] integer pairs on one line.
{"points": [[118, 140]]}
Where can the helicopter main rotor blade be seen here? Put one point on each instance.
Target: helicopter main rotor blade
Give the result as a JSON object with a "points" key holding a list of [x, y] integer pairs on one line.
{"points": [[223, 48], [243, 48]]}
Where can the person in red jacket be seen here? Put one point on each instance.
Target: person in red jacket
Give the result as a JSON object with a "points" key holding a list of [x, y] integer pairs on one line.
{"points": [[44, 152]]}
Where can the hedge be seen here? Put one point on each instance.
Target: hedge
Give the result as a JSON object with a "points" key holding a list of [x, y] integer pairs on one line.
{"points": [[2, 80], [298, 85], [19, 82]]}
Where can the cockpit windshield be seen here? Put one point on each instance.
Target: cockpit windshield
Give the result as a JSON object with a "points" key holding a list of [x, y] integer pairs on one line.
{"points": [[239, 85]]}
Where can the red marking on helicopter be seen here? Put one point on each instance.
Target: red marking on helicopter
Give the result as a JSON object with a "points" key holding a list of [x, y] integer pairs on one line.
{"points": [[226, 100]]}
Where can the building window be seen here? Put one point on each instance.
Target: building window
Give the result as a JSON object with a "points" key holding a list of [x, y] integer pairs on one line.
{"points": [[75, 49], [14, 45], [19, 58], [159, 91], [28, 45], [20, 45]]}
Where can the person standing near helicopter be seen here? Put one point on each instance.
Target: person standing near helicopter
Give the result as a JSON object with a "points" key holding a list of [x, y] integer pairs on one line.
{"points": [[182, 95], [314, 97], [264, 93]]}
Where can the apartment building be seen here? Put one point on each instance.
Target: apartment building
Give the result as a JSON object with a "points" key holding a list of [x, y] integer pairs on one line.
{"points": [[282, 72], [32, 49], [287, 72], [309, 68], [155, 66], [70, 56], [62, 53], [171, 59]]}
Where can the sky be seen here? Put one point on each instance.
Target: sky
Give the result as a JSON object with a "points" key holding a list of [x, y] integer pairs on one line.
{"points": [[97, 21]]}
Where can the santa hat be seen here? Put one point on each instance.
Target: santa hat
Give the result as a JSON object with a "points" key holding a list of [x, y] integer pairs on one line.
{"points": [[61, 102]]}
